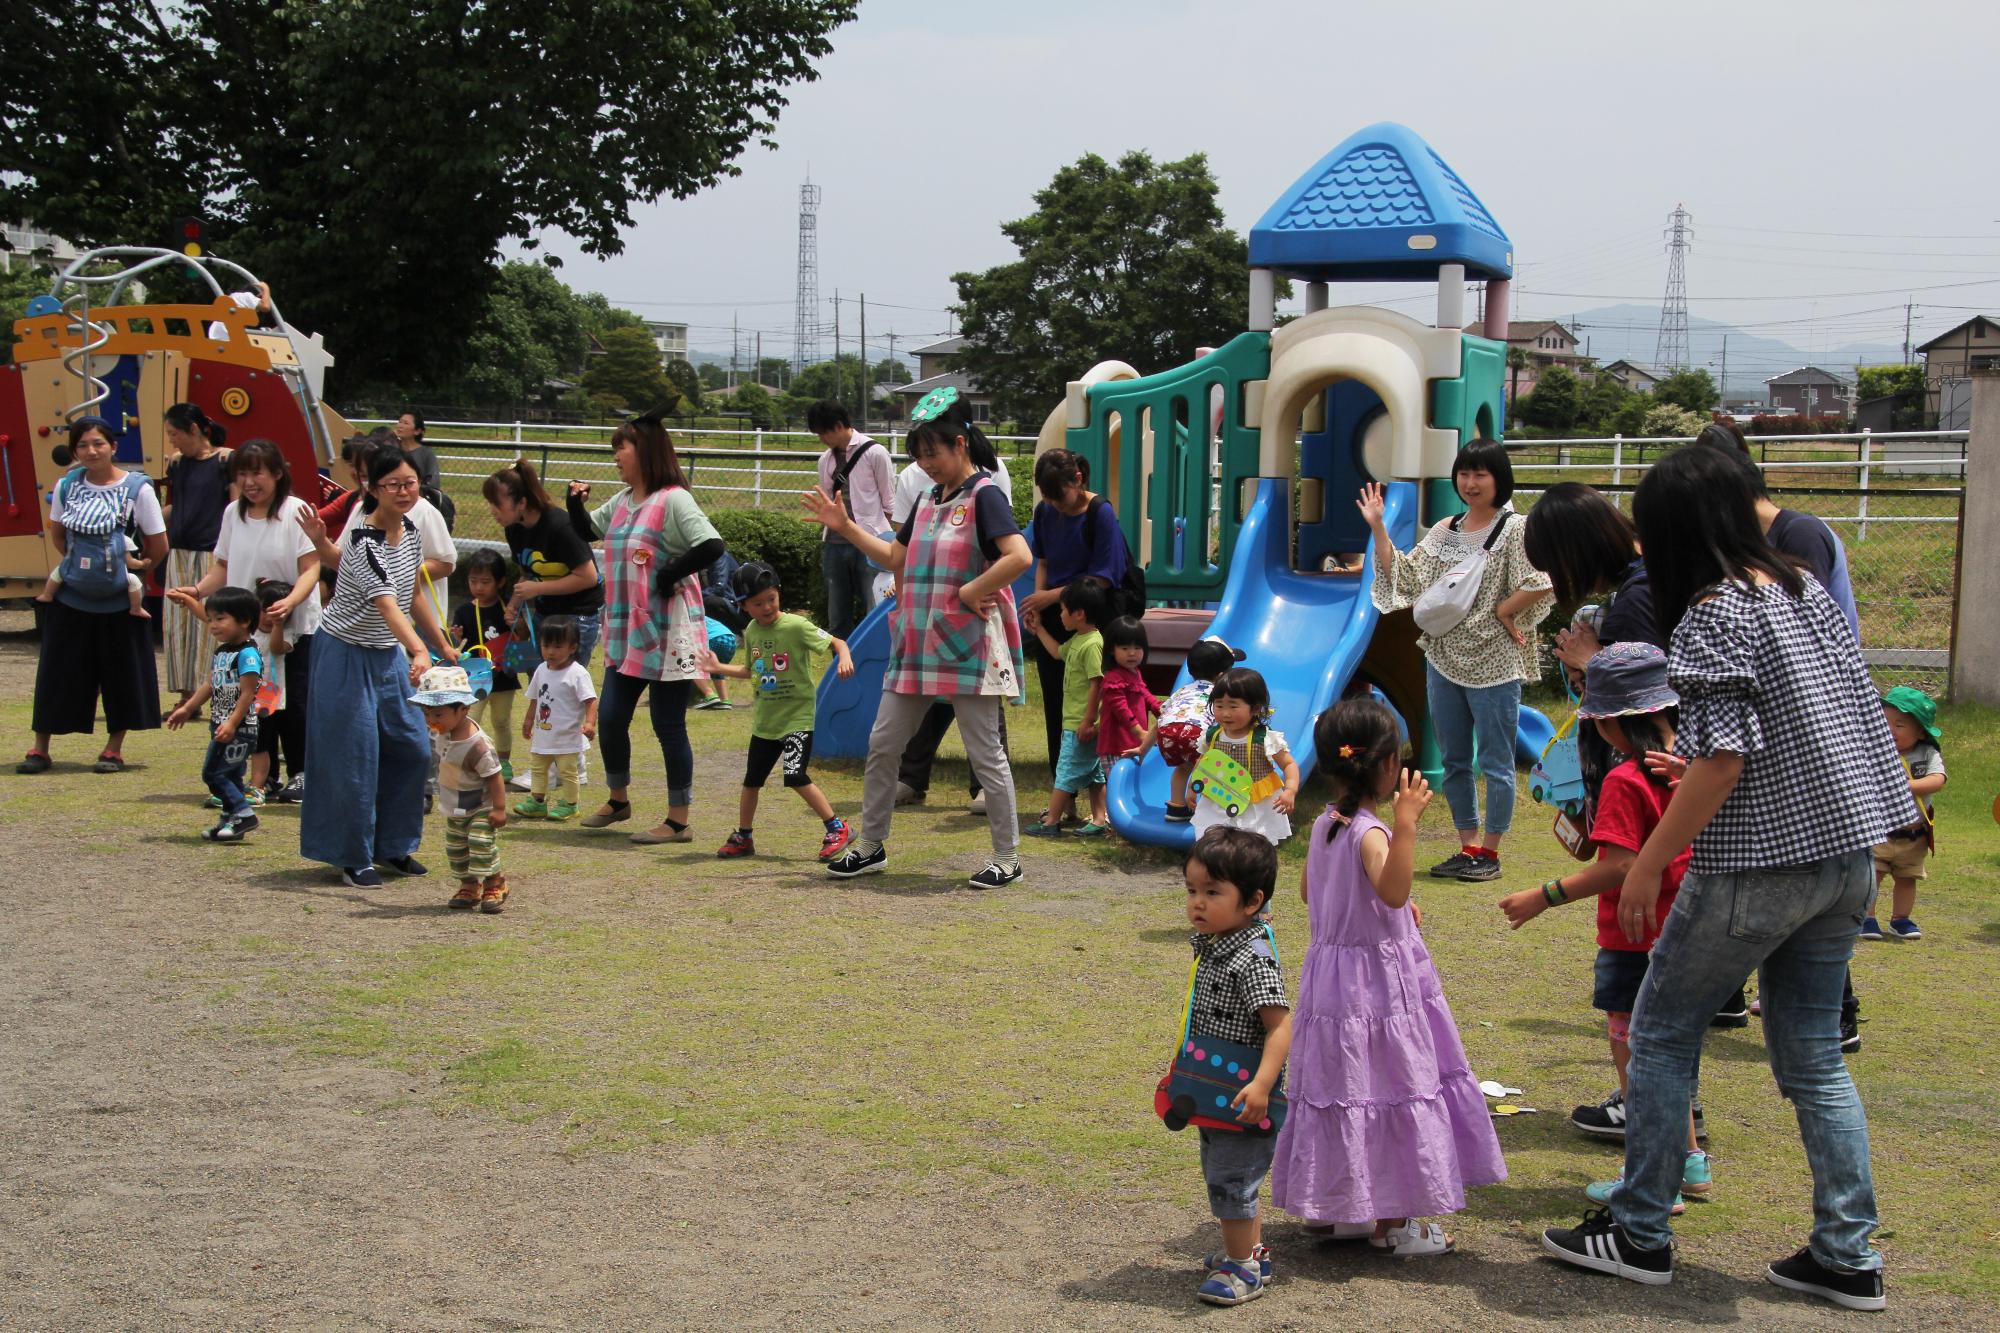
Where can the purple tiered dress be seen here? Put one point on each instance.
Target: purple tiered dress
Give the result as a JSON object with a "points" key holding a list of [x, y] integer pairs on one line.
{"points": [[1386, 1117]]}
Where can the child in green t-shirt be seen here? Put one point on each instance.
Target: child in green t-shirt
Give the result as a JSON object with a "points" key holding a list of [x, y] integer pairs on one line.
{"points": [[778, 656], [1085, 604]]}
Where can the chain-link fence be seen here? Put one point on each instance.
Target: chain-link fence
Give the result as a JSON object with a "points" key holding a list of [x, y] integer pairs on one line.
{"points": [[1893, 500]]}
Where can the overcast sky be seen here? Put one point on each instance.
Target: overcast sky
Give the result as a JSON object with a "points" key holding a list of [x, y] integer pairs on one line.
{"points": [[1829, 152]]}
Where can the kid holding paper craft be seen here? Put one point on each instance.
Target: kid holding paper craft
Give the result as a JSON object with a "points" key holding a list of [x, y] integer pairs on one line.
{"points": [[480, 623]]}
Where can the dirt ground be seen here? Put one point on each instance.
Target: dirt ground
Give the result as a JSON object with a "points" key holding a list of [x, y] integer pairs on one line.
{"points": [[164, 1172]]}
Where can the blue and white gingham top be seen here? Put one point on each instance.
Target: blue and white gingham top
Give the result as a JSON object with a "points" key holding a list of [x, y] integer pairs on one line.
{"points": [[1780, 681]]}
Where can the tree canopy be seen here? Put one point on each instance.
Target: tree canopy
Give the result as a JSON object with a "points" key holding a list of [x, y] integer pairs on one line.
{"points": [[370, 158], [629, 370], [1130, 261], [1693, 390]]}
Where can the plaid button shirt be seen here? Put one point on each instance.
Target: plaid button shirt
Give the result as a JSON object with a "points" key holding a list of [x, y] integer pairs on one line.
{"points": [[1236, 974], [1780, 681]]}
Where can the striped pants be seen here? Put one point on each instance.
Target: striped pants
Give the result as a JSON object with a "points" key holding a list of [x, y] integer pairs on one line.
{"points": [[471, 846], [188, 648]]}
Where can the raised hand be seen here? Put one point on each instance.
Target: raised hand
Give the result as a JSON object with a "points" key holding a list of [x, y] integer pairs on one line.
{"points": [[824, 509], [1372, 504], [1413, 793]]}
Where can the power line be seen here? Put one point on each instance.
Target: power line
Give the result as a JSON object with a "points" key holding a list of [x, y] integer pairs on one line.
{"points": [[1788, 296], [1865, 235]]}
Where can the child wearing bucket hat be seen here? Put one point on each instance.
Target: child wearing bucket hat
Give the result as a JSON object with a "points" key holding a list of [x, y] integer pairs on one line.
{"points": [[1627, 698], [471, 788], [1912, 718]]}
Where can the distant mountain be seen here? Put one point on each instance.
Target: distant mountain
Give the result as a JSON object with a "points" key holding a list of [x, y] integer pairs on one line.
{"points": [[1631, 333]]}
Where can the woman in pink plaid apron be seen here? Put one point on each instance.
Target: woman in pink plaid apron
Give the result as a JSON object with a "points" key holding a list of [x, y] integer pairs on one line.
{"points": [[955, 636], [654, 626]]}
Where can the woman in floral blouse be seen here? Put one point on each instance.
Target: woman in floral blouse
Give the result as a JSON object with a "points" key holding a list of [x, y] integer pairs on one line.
{"points": [[1474, 670]]}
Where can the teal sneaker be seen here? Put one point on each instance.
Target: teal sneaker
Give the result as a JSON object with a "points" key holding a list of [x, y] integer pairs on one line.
{"points": [[1599, 1192], [1696, 1178]]}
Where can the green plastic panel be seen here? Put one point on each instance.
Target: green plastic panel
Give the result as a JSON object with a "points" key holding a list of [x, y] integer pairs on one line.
{"points": [[1176, 495]]}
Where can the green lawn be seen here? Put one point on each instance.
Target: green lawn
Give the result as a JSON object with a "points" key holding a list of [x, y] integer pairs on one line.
{"points": [[904, 1024]]}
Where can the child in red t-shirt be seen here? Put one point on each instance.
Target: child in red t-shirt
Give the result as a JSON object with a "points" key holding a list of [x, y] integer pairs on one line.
{"points": [[1626, 696], [1126, 707]]}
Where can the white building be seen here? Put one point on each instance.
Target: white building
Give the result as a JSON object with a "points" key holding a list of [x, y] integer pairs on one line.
{"points": [[24, 240], [671, 339]]}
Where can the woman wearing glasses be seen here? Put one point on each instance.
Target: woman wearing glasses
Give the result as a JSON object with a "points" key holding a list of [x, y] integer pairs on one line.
{"points": [[367, 759]]}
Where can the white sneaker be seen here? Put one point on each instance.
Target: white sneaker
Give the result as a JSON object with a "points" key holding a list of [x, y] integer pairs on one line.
{"points": [[978, 806]]}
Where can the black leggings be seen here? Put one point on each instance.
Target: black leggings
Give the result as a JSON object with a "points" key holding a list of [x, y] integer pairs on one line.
{"points": [[286, 729], [668, 705]]}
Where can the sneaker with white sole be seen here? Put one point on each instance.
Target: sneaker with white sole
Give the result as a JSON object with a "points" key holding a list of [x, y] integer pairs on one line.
{"points": [[1871, 929], [854, 861], [1452, 865], [996, 875], [1261, 1255], [1600, 1192], [1854, 1291], [1232, 1283], [1698, 1175], [1606, 1120], [1905, 929], [1599, 1244]]}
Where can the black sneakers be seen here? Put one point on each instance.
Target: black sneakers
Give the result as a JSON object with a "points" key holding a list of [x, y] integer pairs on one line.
{"points": [[1452, 866], [854, 861], [1802, 1272], [1599, 1244], [361, 877], [1606, 1120], [1850, 1031], [996, 875], [1734, 1013], [408, 865]]}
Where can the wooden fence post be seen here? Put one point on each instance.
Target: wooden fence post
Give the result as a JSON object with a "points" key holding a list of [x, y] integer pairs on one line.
{"points": [[1975, 620]]}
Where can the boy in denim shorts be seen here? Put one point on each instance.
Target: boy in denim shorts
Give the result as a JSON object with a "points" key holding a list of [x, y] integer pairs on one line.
{"points": [[1239, 996], [1085, 605]]}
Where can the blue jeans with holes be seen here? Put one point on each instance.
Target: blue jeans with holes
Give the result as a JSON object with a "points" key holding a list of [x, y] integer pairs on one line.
{"points": [[1492, 714], [1797, 925]]}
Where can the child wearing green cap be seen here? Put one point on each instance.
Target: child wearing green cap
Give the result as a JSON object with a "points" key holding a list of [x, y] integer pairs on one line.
{"points": [[1912, 717]]}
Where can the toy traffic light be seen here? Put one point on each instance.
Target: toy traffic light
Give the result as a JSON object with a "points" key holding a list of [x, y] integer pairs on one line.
{"points": [[187, 236]]}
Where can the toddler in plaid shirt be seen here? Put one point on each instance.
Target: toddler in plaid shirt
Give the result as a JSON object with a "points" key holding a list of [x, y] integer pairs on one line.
{"points": [[1238, 996]]}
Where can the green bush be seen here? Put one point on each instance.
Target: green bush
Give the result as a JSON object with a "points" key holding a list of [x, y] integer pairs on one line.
{"points": [[789, 545]]}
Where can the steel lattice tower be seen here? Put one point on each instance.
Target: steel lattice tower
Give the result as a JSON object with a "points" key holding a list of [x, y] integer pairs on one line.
{"points": [[1671, 352], [805, 336]]}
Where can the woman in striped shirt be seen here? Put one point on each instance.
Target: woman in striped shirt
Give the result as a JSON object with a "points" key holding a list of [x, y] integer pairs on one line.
{"points": [[368, 757]]}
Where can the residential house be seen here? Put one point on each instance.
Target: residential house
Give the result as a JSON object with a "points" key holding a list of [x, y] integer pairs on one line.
{"points": [[1547, 343], [23, 242], [1949, 360], [937, 368], [1638, 378], [1809, 391], [671, 339]]}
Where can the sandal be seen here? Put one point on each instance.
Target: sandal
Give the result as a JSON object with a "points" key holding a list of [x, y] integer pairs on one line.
{"points": [[35, 761], [1414, 1240], [109, 763]]}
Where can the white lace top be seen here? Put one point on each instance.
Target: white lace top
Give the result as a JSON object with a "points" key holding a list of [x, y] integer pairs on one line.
{"points": [[1477, 651]]}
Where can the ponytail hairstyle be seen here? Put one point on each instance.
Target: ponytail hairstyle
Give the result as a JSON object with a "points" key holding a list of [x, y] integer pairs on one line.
{"points": [[1353, 740], [416, 422], [1245, 684], [188, 417], [946, 428], [518, 483], [1058, 470]]}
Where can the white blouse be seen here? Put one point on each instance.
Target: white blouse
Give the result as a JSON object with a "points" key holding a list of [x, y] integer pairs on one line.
{"points": [[1477, 651]]}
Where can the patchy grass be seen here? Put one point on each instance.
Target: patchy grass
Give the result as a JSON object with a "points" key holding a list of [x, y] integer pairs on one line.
{"points": [[903, 1024]]}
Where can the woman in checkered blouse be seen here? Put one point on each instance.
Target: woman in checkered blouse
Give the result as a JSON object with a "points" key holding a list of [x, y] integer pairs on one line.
{"points": [[954, 636], [1775, 704]]}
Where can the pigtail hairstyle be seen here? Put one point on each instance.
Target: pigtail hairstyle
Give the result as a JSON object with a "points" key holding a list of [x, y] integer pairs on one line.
{"points": [[1353, 740]]}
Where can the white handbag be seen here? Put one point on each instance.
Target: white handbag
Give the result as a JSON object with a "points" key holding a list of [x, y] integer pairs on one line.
{"points": [[1449, 600]]}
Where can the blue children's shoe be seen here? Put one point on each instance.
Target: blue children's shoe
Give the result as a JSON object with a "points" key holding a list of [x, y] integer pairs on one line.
{"points": [[1262, 1254], [1871, 929], [1697, 1177], [1903, 928], [1599, 1192], [1233, 1283]]}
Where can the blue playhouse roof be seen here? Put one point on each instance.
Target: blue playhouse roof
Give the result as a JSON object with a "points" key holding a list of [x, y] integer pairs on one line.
{"points": [[1383, 205]]}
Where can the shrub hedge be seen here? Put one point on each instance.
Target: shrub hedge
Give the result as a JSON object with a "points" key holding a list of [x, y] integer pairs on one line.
{"points": [[789, 545]]}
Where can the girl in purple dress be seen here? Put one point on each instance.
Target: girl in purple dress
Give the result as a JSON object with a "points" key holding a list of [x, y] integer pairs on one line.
{"points": [[1387, 1123]]}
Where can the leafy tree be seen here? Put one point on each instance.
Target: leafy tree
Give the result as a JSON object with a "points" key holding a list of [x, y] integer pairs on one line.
{"points": [[754, 401], [19, 285], [774, 372], [687, 382], [1603, 398], [1130, 260], [600, 316], [839, 379], [1671, 419], [1518, 360], [1554, 401], [531, 332], [629, 370], [1693, 390], [1630, 418], [889, 371], [1882, 381], [712, 376], [369, 158]]}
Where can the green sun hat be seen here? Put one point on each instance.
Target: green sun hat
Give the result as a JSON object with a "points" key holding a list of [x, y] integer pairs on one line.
{"points": [[935, 404], [1918, 706]]}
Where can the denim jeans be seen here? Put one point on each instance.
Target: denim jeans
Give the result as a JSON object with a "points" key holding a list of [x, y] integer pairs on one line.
{"points": [[368, 753], [668, 705], [222, 769], [849, 577], [1492, 714], [1797, 926]]}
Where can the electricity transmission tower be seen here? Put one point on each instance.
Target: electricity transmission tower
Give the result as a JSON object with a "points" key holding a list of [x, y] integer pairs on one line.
{"points": [[805, 337], [1671, 352]]}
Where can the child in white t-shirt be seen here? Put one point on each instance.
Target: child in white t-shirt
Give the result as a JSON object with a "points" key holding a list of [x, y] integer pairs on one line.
{"points": [[560, 723]]}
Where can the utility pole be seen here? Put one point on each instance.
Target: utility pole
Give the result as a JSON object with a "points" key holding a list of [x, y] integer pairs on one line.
{"points": [[760, 356], [835, 298], [735, 342], [1907, 308], [867, 389], [1722, 388]]}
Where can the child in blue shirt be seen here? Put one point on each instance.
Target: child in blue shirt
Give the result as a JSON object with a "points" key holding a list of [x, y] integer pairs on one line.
{"points": [[235, 672]]}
